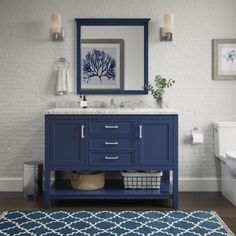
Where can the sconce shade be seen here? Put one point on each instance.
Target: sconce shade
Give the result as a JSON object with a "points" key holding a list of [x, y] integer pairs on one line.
{"points": [[56, 23], [166, 33], [168, 23]]}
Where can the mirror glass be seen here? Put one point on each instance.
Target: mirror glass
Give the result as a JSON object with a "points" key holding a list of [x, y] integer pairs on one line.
{"points": [[112, 55]]}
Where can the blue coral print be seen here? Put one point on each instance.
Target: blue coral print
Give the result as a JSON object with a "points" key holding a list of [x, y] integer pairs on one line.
{"points": [[98, 64]]}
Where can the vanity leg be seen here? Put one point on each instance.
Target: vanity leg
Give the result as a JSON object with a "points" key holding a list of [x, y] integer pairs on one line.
{"points": [[47, 188], [47, 172], [175, 198], [47, 203], [175, 203]]}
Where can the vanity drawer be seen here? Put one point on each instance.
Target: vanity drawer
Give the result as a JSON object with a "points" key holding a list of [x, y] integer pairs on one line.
{"points": [[111, 158], [111, 144], [111, 127]]}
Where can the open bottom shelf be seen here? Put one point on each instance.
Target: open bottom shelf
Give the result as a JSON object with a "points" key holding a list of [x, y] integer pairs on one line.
{"points": [[113, 190]]}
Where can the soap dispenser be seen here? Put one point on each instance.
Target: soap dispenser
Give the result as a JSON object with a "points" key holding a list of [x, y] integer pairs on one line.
{"points": [[85, 102], [80, 101]]}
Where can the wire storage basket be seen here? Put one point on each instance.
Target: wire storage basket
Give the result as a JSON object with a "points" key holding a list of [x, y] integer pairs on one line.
{"points": [[141, 180]]}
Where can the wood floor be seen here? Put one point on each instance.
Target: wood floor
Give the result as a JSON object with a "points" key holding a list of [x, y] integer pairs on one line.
{"points": [[188, 201]]}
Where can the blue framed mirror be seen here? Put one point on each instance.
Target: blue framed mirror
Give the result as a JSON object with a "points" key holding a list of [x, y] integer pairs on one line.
{"points": [[112, 56]]}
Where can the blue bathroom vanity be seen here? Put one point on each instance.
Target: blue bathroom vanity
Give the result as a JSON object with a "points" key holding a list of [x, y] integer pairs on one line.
{"points": [[111, 140]]}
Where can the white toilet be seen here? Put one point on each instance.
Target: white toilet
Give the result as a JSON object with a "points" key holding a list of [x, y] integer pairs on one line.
{"points": [[225, 150]]}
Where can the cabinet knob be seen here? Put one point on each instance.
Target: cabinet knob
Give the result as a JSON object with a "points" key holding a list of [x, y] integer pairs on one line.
{"points": [[111, 157]]}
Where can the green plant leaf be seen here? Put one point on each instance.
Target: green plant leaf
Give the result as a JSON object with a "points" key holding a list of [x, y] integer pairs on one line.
{"points": [[161, 84]]}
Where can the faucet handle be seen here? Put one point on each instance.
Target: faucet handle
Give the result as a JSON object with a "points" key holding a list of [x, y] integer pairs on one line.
{"points": [[103, 104], [112, 102], [122, 105]]}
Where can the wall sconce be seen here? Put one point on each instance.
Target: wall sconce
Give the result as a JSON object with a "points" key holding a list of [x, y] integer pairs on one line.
{"points": [[167, 31], [56, 29]]}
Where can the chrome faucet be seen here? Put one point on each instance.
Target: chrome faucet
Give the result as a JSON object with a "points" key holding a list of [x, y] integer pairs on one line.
{"points": [[112, 103]]}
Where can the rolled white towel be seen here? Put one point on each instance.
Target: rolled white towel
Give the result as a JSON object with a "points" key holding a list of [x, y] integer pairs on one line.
{"points": [[61, 82], [64, 84], [69, 88]]}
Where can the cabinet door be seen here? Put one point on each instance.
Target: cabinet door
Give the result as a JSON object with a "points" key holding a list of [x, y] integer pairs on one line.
{"points": [[67, 142], [155, 142]]}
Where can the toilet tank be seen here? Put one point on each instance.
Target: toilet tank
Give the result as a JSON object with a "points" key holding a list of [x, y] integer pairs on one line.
{"points": [[224, 137]]}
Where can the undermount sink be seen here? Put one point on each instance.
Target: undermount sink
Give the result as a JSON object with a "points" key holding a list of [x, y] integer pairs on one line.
{"points": [[122, 108]]}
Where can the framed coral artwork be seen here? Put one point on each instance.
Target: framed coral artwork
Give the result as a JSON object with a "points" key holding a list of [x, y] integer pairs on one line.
{"points": [[224, 59], [102, 64]]}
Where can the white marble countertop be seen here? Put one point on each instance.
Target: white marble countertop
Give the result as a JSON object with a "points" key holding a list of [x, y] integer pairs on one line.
{"points": [[111, 111]]}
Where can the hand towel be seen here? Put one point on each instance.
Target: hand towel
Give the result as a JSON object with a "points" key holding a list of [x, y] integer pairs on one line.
{"points": [[64, 85], [61, 82], [68, 82]]}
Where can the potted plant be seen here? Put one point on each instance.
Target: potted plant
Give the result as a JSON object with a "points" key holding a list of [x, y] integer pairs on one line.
{"points": [[161, 83]]}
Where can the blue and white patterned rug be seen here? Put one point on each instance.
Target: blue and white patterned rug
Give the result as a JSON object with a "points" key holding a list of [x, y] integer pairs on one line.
{"points": [[104, 223]]}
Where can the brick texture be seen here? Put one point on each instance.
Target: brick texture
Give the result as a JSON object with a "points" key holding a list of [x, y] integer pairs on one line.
{"points": [[27, 71]]}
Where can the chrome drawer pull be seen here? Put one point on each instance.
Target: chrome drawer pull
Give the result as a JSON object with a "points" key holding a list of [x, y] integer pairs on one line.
{"points": [[111, 126], [111, 143], [111, 158], [82, 131], [140, 131]]}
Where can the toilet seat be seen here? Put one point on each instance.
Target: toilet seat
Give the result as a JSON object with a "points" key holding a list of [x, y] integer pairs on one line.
{"points": [[231, 154]]}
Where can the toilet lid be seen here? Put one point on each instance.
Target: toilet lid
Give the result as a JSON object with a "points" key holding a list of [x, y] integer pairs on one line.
{"points": [[231, 154]]}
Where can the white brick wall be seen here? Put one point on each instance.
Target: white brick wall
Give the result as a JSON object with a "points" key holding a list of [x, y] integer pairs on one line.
{"points": [[27, 78]]}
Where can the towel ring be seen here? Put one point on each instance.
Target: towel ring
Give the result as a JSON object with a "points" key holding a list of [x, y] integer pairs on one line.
{"points": [[63, 62]]}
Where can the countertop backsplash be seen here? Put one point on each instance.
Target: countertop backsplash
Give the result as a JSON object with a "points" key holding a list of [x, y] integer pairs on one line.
{"points": [[105, 104]]}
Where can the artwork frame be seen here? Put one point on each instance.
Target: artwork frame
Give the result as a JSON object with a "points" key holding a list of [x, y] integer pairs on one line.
{"points": [[112, 51], [224, 59]]}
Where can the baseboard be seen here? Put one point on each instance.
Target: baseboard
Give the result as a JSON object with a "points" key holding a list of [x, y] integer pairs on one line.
{"points": [[14, 184], [11, 184], [199, 185]]}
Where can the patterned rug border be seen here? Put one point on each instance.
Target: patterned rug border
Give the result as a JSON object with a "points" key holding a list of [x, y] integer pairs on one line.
{"points": [[3, 214], [223, 223], [214, 213]]}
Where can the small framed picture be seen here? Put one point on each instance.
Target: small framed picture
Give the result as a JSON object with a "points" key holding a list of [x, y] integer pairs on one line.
{"points": [[102, 64], [224, 59]]}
